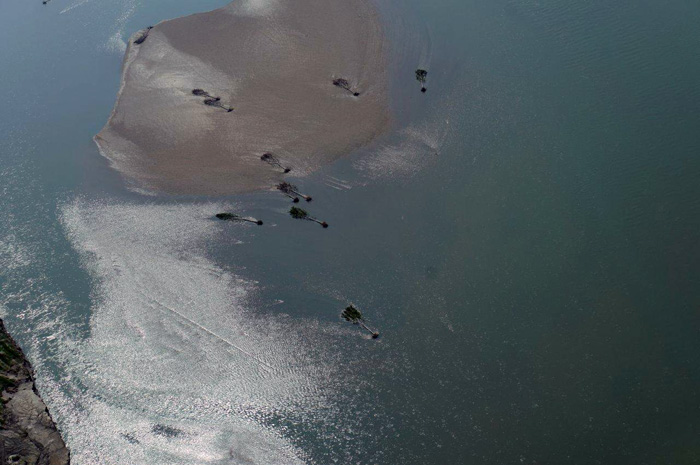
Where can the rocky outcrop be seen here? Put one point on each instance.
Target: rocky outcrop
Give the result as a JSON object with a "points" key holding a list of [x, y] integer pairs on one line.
{"points": [[28, 435]]}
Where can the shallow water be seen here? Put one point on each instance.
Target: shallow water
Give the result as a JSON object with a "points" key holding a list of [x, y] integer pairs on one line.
{"points": [[525, 240]]}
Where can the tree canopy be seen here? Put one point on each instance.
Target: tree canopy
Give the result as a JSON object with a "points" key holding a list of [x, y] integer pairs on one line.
{"points": [[271, 159], [352, 314], [287, 187], [344, 84], [298, 213], [341, 83], [227, 216]]}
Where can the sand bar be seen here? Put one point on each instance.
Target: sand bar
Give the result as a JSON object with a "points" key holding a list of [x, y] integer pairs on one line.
{"points": [[273, 61]]}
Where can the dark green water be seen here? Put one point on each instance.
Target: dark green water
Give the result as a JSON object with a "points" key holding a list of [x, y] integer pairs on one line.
{"points": [[526, 240]]}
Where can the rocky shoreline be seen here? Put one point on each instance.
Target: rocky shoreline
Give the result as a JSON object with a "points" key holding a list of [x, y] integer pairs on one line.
{"points": [[27, 431]]}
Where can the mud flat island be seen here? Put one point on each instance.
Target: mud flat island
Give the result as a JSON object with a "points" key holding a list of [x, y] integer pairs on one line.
{"points": [[273, 62]]}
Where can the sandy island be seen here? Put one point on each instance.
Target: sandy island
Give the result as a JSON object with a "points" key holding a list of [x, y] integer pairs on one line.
{"points": [[274, 62]]}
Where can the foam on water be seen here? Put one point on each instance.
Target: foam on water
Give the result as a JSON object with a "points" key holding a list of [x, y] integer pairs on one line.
{"points": [[116, 43], [417, 147], [73, 5], [128, 8]]}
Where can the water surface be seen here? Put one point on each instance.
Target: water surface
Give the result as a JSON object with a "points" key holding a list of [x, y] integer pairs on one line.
{"points": [[525, 240]]}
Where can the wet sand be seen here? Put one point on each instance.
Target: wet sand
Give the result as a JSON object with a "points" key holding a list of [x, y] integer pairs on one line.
{"points": [[273, 61]]}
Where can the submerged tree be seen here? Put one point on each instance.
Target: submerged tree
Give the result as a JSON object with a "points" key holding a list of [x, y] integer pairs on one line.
{"points": [[421, 76], [143, 36], [216, 102], [234, 217], [344, 84], [300, 214], [271, 159], [292, 191], [354, 316]]}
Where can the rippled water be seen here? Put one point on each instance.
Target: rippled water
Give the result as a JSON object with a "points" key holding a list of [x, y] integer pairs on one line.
{"points": [[525, 240]]}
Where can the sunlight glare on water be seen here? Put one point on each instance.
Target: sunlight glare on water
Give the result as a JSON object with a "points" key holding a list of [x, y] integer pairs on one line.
{"points": [[172, 347]]}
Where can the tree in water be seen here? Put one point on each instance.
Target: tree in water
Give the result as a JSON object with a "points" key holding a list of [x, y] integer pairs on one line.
{"points": [[421, 76], [216, 102], [354, 316], [234, 217], [300, 214], [292, 191], [271, 159], [288, 193], [344, 84]]}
